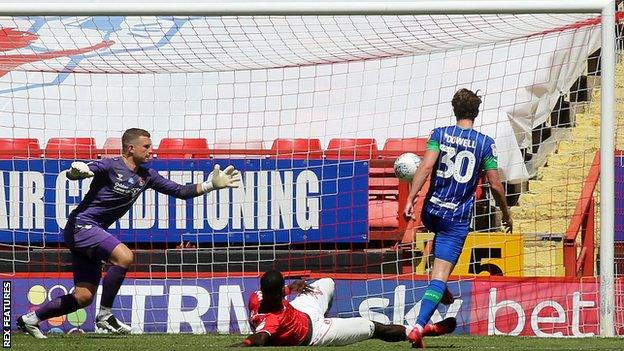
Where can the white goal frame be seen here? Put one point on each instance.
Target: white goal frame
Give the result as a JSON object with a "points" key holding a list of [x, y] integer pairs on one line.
{"points": [[242, 8]]}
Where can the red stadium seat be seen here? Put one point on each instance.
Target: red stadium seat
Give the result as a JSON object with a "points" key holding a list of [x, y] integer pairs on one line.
{"points": [[183, 148], [384, 210], [481, 192], [384, 186], [297, 148], [112, 147], [401, 145], [229, 144], [19, 148], [357, 149], [394, 147], [71, 148], [239, 149], [383, 214]]}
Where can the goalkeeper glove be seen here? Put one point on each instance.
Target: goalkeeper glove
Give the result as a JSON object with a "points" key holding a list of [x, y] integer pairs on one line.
{"points": [[228, 178], [80, 170]]}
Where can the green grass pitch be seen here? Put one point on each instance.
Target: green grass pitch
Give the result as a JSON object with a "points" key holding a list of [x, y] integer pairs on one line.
{"points": [[189, 342]]}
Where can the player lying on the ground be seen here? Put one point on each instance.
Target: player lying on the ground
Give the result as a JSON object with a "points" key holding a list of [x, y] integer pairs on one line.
{"points": [[117, 183], [303, 322]]}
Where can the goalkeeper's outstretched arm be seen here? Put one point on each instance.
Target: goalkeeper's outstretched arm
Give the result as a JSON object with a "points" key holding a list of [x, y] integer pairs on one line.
{"points": [[228, 178]]}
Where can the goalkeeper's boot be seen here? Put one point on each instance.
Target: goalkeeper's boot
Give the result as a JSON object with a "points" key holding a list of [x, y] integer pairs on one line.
{"points": [[110, 324], [447, 298], [32, 329], [415, 338], [445, 326]]}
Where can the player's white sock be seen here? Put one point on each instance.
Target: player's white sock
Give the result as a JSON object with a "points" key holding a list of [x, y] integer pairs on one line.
{"points": [[104, 312], [31, 318]]}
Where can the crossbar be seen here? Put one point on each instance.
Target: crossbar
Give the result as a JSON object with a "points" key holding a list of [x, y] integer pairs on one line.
{"points": [[258, 8]]}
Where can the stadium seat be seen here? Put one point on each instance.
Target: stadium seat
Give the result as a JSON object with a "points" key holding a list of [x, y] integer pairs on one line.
{"points": [[297, 148], [112, 147], [19, 148], [383, 184], [482, 192], [237, 149], [401, 145], [229, 144], [383, 214], [71, 148], [183, 148], [355, 149]]}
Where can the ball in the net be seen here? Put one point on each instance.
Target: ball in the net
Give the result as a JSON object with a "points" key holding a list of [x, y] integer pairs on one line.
{"points": [[405, 166]]}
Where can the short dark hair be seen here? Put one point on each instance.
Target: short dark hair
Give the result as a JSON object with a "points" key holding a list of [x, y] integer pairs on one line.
{"points": [[130, 136], [466, 104], [272, 283]]}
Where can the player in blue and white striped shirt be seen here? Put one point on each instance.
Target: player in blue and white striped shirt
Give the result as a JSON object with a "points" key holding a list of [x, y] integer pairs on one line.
{"points": [[455, 157]]}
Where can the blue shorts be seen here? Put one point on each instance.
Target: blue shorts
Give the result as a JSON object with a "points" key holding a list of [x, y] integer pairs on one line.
{"points": [[449, 236]]}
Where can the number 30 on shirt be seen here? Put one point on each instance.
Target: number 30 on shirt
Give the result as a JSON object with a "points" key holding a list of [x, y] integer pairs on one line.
{"points": [[453, 161]]}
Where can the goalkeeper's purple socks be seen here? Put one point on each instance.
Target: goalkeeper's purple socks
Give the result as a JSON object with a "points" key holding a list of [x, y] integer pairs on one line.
{"points": [[111, 284], [430, 301], [60, 306]]}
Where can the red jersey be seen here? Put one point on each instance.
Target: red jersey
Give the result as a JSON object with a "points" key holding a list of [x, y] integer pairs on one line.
{"points": [[286, 327]]}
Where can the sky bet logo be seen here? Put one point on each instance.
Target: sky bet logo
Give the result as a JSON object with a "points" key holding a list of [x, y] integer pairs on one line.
{"points": [[6, 314]]}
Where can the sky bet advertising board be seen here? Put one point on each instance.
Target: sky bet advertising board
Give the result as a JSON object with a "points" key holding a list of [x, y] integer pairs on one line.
{"points": [[511, 306]]}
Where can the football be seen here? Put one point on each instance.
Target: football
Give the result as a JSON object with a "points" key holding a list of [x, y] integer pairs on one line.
{"points": [[405, 166]]}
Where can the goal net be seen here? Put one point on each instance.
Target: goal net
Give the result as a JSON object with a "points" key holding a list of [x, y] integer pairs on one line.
{"points": [[313, 110]]}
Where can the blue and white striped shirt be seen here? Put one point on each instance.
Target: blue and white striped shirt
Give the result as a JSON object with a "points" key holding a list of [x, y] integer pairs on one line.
{"points": [[464, 153]]}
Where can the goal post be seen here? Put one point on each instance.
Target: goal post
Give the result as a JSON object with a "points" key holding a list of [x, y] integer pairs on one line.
{"points": [[254, 256], [607, 173]]}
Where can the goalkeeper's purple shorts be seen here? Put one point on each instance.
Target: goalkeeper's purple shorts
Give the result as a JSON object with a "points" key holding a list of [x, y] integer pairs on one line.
{"points": [[90, 246], [449, 236]]}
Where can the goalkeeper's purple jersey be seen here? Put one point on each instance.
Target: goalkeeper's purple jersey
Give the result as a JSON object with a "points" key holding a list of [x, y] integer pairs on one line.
{"points": [[464, 153], [115, 187]]}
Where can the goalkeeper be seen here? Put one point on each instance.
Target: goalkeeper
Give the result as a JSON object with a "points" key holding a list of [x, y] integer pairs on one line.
{"points": [[117, 183]]}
